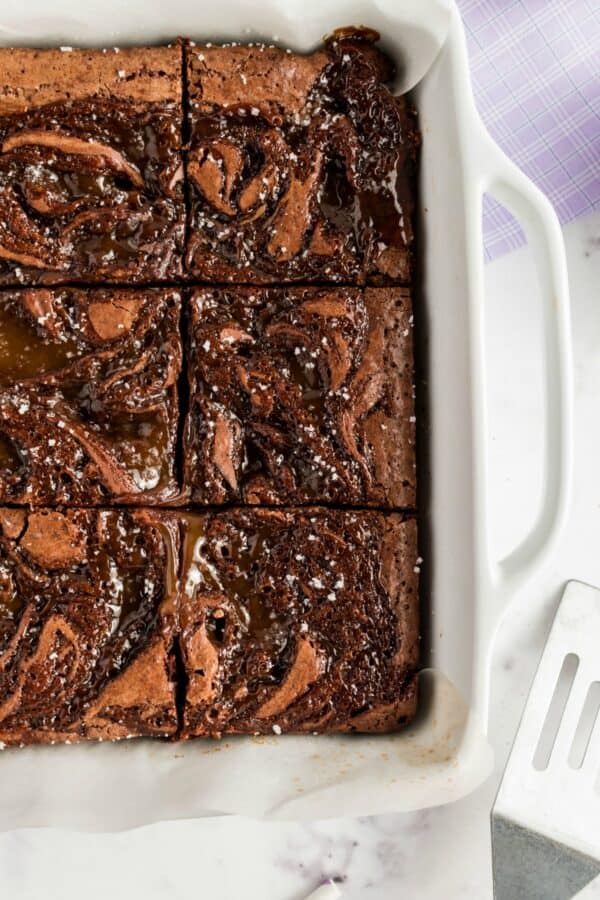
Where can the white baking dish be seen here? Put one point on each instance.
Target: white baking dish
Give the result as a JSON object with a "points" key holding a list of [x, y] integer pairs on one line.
{"points": [[445, 754]]}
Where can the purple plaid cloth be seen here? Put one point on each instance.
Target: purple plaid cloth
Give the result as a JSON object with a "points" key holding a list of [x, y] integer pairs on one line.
{"points": [[536, 75]]}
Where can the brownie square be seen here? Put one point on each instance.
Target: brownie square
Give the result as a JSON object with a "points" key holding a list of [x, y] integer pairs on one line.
{"points": [[301, 395], [88, 395], [300, 168], [87, 617], [91, 174], [298, 620]]}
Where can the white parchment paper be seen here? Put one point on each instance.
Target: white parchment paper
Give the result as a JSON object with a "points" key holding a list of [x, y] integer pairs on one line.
{"points": [[103, 787], [109, 787]]}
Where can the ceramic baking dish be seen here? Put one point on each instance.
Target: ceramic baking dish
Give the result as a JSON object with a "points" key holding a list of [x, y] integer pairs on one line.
{"points": [[444, 755]]}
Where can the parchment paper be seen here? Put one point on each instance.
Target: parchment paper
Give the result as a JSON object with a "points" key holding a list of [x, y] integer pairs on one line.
{"points": [[110, 787]]}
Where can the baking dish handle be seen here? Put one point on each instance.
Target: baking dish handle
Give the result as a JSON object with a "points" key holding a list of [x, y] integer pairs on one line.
{"points": [[505, 181]]}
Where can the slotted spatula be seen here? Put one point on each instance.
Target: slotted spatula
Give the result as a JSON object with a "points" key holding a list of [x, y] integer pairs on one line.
{"points": [[546, 818]]}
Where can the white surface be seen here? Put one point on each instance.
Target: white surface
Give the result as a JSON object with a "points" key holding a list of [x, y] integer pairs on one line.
{"points": [[430, 855]]}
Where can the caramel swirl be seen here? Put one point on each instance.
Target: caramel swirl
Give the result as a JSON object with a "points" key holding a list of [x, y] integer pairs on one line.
{"points": [[88, 396]]}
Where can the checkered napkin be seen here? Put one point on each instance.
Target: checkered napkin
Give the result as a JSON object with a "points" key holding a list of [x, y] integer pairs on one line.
{"points": [[535, 66]]}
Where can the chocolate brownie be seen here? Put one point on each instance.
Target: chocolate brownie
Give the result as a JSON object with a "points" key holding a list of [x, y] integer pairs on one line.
{"points": [[91, 175], [301, 395], [299, 167], [87, 615], [298, 620], [88, 395]]}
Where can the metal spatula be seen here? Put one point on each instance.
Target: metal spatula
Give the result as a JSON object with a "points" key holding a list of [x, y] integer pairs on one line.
{"points": [[546, 818]]}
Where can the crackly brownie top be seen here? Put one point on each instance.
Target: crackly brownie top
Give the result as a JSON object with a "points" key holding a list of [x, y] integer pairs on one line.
{"points": [[302, 619], [301, 395], [88, 394], [300, 167], [90, 167], [85, 596]]}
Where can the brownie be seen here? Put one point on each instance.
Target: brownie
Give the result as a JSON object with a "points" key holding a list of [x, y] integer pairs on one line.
{"points": [[273, 391], [88, 395], [300, 168], [301, 395], [91, 175], [87, 616], [298, 620]]}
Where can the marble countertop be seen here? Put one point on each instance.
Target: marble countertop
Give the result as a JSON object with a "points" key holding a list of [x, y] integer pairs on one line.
{"points": [[433, 854]]}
